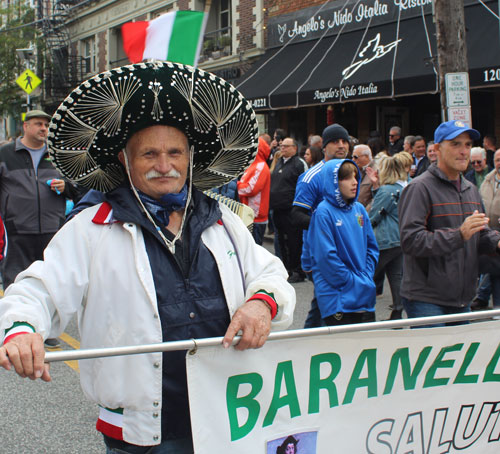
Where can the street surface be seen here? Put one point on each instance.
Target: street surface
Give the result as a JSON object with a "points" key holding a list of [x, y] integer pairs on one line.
{"points": [[56, 418]]}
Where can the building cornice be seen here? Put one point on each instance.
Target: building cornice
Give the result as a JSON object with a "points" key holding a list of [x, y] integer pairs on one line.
{"points": [[101, 16]]}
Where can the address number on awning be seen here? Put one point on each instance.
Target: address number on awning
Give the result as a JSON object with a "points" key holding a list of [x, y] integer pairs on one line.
{"points": [[259, 102], [492, 75]]}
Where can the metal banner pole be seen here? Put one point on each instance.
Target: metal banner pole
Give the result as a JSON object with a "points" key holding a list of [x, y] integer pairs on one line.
{"points": [[193, 344]]}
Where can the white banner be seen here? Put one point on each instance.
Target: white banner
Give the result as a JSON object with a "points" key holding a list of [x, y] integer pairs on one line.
{"points": [[421, 391]]}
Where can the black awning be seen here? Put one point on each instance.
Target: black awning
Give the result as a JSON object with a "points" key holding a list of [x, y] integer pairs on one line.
{"points": [[483, 45], [385, 61]]}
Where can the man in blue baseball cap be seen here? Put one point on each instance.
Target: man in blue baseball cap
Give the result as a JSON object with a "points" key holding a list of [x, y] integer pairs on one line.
{"points": [[442, 228]]}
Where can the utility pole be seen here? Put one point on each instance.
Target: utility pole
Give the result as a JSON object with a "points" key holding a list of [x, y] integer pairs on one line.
{"points": [[451, 46]]}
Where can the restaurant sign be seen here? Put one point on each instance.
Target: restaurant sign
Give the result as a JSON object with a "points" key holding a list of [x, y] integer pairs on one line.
{"points": [[342, 16]]}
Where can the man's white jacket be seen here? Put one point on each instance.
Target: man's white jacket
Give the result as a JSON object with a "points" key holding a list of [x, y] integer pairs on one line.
{"points": [[102, 272]]}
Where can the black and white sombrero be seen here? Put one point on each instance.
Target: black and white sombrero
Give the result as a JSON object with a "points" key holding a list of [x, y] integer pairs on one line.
{"points": [[94, 122]]}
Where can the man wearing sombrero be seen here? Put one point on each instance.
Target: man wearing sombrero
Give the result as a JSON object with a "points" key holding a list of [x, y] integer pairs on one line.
{"points": [[157, 261]]}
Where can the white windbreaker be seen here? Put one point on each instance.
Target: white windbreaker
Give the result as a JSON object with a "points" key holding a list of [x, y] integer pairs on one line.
{"points": [[102, 272]]}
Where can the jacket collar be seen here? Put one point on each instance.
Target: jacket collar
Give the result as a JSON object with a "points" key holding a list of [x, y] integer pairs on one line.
{"points": [[20, 146], [203, 211], [437, 172]]}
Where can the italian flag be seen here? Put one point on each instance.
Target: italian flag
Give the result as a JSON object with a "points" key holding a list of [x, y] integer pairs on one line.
{"points": [[175, 36]]}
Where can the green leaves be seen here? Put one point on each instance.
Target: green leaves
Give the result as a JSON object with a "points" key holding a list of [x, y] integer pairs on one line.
{"points": [[17, 31]]}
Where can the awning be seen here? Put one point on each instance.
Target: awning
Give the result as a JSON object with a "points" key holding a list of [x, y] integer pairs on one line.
{"points": [[384, 61]]}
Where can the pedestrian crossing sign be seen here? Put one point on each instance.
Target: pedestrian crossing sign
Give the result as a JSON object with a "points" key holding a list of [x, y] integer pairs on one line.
{"points": [[28, 81]]}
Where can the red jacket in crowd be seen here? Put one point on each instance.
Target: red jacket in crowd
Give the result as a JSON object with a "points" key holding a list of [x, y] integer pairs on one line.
{"points": [[255, 184]]}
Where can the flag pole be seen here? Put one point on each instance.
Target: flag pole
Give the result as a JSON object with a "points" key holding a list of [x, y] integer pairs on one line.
{"points": [[192, 345]]}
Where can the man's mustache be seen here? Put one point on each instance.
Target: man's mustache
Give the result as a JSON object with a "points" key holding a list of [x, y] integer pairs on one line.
{"points": [[170, 174]]}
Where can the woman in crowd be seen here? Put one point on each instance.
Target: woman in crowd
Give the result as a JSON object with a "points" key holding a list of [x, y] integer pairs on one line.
{"points": [[376, 145], [406, 160], [313, 155], [393, 177]]}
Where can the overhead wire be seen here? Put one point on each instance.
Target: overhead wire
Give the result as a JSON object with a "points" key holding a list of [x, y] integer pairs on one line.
{"points": [[50, 17]]}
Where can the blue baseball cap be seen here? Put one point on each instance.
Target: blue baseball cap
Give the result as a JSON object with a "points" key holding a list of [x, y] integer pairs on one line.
{"points": [[451, 129]]}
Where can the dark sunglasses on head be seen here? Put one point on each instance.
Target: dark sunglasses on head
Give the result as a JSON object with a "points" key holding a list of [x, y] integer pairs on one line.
{"points": [[475, 162]]}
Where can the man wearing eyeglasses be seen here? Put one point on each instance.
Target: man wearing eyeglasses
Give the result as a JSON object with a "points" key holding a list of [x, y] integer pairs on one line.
{"points": [[362, 156], [283, 182], [395, 140], [479, 165]]}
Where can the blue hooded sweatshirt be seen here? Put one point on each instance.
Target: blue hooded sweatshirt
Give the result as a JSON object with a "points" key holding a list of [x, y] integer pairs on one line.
{"points": [[343, 248]]}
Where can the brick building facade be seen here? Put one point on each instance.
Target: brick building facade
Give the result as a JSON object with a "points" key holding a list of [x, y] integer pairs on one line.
{"points": [[237, 38], [417, 110]]}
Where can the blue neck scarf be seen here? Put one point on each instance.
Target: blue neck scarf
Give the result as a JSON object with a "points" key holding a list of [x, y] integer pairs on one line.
{"points": [[161, 209]]}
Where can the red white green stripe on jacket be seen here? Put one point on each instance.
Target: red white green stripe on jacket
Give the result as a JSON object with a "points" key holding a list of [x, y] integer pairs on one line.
{"points": [[268, 298], [110, 422], [16, 329]]}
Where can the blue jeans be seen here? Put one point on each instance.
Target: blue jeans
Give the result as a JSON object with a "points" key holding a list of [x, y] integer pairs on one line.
{"points": [[390, 264], [495, 290], [484, 288], [179, 446], [416, 309], [258, 233], [314, 319]]}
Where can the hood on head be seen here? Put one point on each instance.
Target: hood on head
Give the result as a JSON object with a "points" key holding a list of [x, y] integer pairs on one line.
{"points": [[264, 150], [331, 191]]}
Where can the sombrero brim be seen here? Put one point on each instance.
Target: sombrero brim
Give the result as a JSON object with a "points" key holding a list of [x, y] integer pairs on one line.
{"points": [[93, 124]]}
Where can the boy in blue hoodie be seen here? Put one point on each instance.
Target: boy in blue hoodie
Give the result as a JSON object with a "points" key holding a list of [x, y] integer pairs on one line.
{"points": [[344, 248]]}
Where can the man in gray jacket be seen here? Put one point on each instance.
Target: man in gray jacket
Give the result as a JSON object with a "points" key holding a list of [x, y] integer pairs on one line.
{"points": [[31, 209], [443, 230]]}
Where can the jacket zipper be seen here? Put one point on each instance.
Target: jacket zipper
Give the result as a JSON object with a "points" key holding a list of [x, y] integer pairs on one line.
{"points": [[463, 249], [29, 161]]}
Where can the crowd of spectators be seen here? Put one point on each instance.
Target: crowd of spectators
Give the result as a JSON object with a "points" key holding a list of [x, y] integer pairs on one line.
{"points": [[349, 267], [290, 188]]}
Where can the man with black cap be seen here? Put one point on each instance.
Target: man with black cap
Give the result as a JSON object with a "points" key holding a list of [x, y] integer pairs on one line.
{"points": [[32, 196], [158, 260], [443, 227], [308, 195]]}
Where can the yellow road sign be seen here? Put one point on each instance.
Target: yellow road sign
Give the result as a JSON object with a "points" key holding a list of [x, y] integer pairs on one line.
{"points": [[28, 81]]}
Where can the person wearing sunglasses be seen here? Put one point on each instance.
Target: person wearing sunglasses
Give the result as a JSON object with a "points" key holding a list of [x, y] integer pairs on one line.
{"points": [[395, 140], [480, 168]]}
